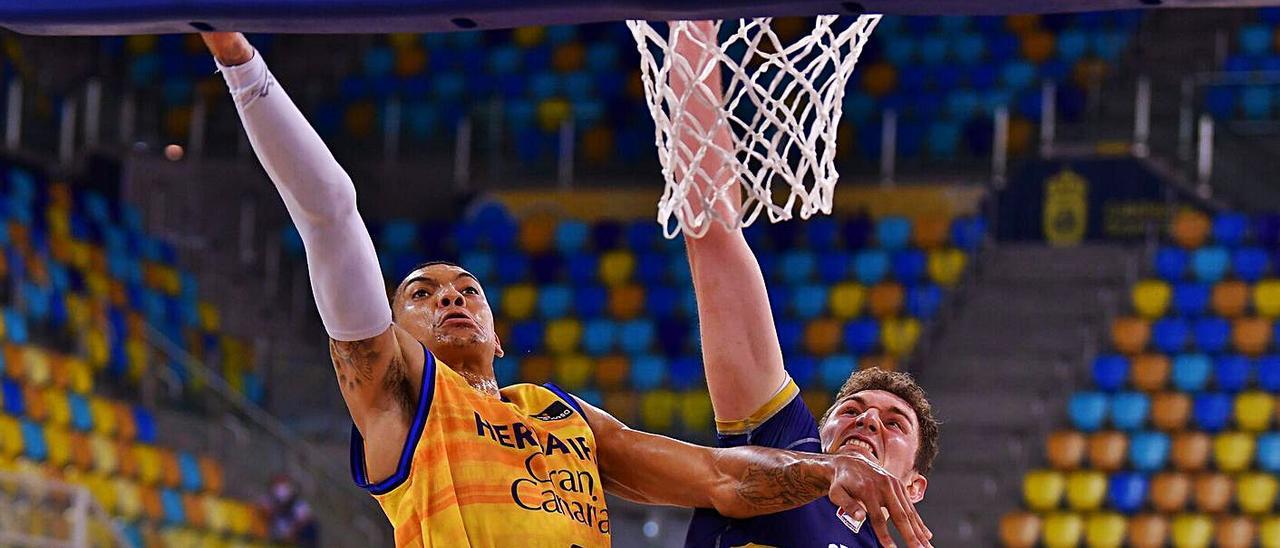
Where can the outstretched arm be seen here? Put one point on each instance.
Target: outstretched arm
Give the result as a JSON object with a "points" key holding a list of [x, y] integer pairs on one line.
{"points": [[740, 350], [747, 481], [378, 366]]}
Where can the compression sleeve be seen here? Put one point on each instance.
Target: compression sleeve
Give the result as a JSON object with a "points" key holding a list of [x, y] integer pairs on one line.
{"points": [[343, 265]]}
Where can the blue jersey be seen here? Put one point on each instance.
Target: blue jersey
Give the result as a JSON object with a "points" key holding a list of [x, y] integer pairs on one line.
{"points": [[784, 423]]}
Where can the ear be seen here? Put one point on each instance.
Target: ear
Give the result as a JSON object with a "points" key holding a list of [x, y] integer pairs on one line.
{"points": [[497, 346], [916, 487]]}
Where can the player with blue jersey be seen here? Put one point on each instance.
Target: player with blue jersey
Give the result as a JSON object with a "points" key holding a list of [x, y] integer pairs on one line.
{"points": [[882, 418]]}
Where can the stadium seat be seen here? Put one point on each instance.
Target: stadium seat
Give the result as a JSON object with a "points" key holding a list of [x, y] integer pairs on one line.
{"points": [[1149, 372], [1191, 298], [1268, 372], [1210, 264], [1043, 489], [1108, 450], [657, 409], [1148, 531], [885, 300], [1110, 372], [626, 301], [1086, 490], [1253, 411], [1104, 529], [1212, 334], [1170, 410], [923, 300], [1130, 335], [572, 372], [1266, 298], [1269, 452], [809, 301], [1191, 372], [34, 446], [1088, 410], [1269, 532], [870, 266], [1256, 492], [1191, 450], [563, 336], [1230, 229], [1127, 492], [1251, 336], [11, 443], [1229, 298], [1170, 492], [1233, 451], [1232, 531], [104, 454], [1189, 228], [554, 301], [1020, 529], [1065, 449], [1231, 372], [1212, 492], [893, 232], [518, 301], [1211, 411], [946, 266], [822, 337], [899, 335], [1148, 451], [1250, 263], [846, 300], [1151, 298], [1171, 263], [1129, 410], [1062, 530]]}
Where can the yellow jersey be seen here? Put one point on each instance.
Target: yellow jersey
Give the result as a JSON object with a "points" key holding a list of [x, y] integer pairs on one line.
{"points": [[481, 471]]}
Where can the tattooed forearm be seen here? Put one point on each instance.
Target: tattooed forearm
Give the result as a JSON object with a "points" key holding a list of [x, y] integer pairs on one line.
{"points": [[768, 488]]}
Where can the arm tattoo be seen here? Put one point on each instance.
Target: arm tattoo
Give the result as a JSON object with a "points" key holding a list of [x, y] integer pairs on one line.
{"points": [[353, 362], [769, 488]]}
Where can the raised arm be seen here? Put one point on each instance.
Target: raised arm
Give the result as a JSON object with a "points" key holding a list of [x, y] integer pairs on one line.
{"points": [[740, 350], [378, 366], [747, 481]]}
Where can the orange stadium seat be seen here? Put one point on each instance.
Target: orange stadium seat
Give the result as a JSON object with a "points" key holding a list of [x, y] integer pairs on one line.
{"points": [[1189, 228], [885, 299], [1253, 410], [1086, 490], [626, 301], [930, 231], [1229, 298], [1192, 531], [1234, 532], [623, 404], [1266, 298], [170, 471], [152, 507], [1256, 492], [616, 267], [1170, 492], [846, 300], [611, 372], [1108, 450], [822, 337], [126, 427], [1043, 489], [1063, 530], [1170, 410], [1251, 336], [124, 456], [1212, 492], [1269, 532], [1148, 531], [946, 265], [211, 474], [1130, 335], [1065, 449], [1019, 529], [1233, 451], [193, 509], [536, 369], [81, 453], [37, 407], [1191, 451], [1149, 372], [573, 371], [816, 399], [1151, 298], [1104, 530]]}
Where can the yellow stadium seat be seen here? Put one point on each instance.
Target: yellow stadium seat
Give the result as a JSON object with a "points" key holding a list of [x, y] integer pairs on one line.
{"points": [[10, 438], [1151, 298], [139, 358], [1266, 298], [1253, 410], [1148, 531], [616, 267], [128, 498], [695, 411], [55, 400], [210, 319], [518, 301], [1108, 450], [1104, 530], [1019, 529], [1234, 532], [1212, 492], [240, 520], [1190, 228], [822, 337], [847, 300], [946, 266], [1130, 334], [536, 369], [816, 399], [1170, 410], [1191, 450], [1251, 336], [96, 350], [38, 370], [1065, 449], [1256, 492], [81, 376], [1269, 532], [1229, 299], [563, 335], [1233, 451], [626, 301], [1149, 372], [1063, 530], [215, 516], [657, 410], [899, 335], [930, 231], [1086, 489], [1170, 492], [1042, 489], [104, 416], [611, 372], [528, 36], [573, 371], [58, 440], [885, 299], [148, 460], [1192, 531], [552, 112], [104, 454], [103, 489]]}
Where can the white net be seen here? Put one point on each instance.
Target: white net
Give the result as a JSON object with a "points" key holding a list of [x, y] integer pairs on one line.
{"points": [[770, 119]]}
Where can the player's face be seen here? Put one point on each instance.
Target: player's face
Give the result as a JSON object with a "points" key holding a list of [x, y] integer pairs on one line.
{"points": [[878, 425], [444, 307]]}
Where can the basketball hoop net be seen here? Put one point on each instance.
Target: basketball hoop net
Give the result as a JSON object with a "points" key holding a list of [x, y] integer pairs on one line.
{"points": [[781, 102]]}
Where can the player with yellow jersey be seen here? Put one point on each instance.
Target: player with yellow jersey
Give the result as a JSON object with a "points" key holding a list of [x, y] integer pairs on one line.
{"points": [[453, 460]]}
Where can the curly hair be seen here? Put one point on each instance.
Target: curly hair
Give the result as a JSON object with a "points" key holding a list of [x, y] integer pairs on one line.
{"points": [[903, 386]]}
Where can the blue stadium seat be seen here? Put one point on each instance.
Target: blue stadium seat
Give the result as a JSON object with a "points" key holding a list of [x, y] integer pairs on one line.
{"points": [[554, 301], [1127, 492], [908, 265], [661, 301], [923, 300], [943, 140], [1191, 298], [1129, 410], [834, 266], [861, 336], [1171, 263], [589, 301], [1231, 372], [1211, 411], [1266, 229], [642, 235], [834, 370], [1269, 372], [570, 236], [1220, 101], [1110, 372], [1210, 264], [1191, 372], [790, 335], [11, 395], [1018, 74], [81, 416], [870, 266], [1256, 101], [933, 49], [171, 501], [1269, 452], [1108, 45], [526, 336], [647, 372], [636, 336], [1170, 335], [802, 369], [967, 233], [1255, 40], [651, 268], [1072, 45], [1229, 229], [599, 335], [797, 266], [822, 233], [398, 235], [1088, 410], [809, 300], [190, 471], [1250, 263], [685, 373], [1212, 334], [893, 232], [515, 267], [1148, 451], [673, 335], [34, 445], [779, 299]]}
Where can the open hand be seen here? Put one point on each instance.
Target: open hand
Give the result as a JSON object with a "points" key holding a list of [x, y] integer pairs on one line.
{"points": [[866, 491]]}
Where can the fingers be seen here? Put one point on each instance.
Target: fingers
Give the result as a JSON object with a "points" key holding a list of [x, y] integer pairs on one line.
{"points": [[898, 505], [881, 527], [913, 516]]}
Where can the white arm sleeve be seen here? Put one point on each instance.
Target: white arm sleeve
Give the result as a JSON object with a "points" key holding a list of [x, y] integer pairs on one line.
{"points": [[345, 276]]}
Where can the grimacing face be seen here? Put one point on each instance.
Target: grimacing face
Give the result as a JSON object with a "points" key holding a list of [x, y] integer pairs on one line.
{"points": [[882, 427], [444, 307]]}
